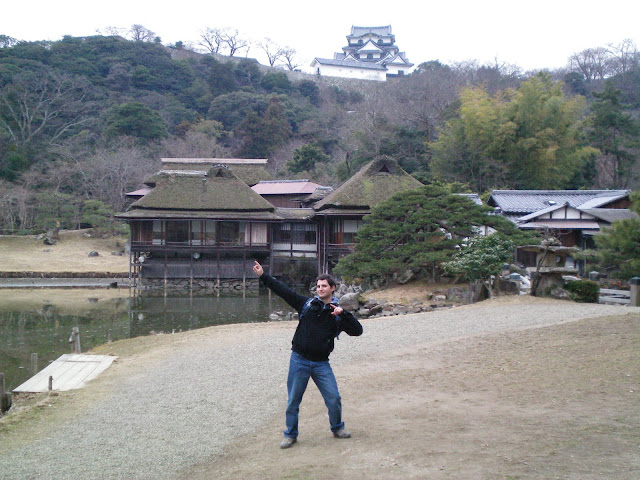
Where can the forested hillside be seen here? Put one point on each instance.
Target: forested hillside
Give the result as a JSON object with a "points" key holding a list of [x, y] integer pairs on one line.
{"points": [[83, 120]]}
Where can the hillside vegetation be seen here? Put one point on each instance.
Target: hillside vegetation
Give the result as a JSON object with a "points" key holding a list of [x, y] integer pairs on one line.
{"points": [[84, 120]]}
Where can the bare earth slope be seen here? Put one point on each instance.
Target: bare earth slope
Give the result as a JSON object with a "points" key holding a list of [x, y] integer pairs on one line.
{"points": [[505, 389]]}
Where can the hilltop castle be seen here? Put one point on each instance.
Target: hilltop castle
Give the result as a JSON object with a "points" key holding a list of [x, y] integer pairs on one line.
{"points": [[370, 54]]}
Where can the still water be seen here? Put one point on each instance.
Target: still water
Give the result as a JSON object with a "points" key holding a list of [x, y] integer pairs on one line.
{"points": [[40, 321]]}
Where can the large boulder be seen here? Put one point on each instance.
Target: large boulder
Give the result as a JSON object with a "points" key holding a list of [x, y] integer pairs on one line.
{"points": [[351, 301]]}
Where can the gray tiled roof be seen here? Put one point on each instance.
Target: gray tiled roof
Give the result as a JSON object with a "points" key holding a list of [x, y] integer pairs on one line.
{"points": [[528, 201], [359, 31], [349, 63], [611, 214]]}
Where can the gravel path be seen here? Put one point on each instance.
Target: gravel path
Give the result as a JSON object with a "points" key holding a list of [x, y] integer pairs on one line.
{"points": [[174, 411]]}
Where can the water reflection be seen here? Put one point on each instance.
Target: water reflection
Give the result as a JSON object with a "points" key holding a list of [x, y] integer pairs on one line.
{"points": [[40, 321]]}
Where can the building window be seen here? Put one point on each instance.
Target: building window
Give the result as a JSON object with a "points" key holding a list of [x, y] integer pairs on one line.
{"points": [[343, 232], [158, 234], [178, 231], [296, 234]]}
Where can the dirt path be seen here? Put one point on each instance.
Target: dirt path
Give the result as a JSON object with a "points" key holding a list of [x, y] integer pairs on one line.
{"points": [[505, 389], [557, 402]]}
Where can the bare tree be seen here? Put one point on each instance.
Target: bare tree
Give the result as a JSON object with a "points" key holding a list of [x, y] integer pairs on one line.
{"points": [[110, 31], [289, 54], [45, 105], [593, 63], [138, 33], [194, 144], [625, 57], [213, 39], [272, 50], [234, 42]]}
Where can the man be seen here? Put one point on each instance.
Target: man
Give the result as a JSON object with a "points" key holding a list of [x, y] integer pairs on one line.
{"points": [[321, 320]]}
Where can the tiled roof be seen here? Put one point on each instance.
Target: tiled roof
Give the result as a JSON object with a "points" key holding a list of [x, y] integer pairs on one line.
{"points": [[529, 201], [611, 214], [359, 31], [348, 63], [562, 224]]}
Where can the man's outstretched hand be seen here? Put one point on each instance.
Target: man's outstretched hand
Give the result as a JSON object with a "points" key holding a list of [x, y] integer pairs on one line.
{"points": [[257, 268]]}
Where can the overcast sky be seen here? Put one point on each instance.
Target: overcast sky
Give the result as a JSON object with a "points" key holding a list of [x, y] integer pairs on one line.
{"points": [[532, 35]]}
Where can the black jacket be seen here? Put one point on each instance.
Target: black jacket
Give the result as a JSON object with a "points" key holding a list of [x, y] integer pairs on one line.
{"points": [[317, 328]]}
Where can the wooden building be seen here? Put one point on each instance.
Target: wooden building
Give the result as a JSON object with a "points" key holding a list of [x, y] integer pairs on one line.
{"points": [[340, 214], [199, 224], [197, 221]]}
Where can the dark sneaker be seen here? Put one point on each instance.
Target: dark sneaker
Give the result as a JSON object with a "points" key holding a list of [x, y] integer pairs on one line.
{"points": [[342, 433], [288, 442]]}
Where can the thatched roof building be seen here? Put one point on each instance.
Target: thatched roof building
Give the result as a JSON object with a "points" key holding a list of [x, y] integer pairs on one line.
{"points": [[213, 194], [374, 183], [250, 170]]}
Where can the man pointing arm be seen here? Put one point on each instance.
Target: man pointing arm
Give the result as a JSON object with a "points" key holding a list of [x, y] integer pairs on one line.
{"points": [[321, 319]]}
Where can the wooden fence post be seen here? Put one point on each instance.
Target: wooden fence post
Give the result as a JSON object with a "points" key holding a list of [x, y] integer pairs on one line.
{"points": [[634, 295], [5, 398], [74, 340], [34, 363]]}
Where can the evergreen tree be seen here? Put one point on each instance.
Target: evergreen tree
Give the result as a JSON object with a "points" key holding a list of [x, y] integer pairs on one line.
{"points": [[418, 230], [306, 158], [618, 247], [616, 133]]}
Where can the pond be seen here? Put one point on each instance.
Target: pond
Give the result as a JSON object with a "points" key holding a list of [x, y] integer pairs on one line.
{"points": [[41, 320]]}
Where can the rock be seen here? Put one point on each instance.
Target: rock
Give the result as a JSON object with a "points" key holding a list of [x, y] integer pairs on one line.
{"points": [[405, 277], [49, 241], [400, 310], [364, 312], [374, 309], [559, 293], [440, 298], [94, 254], [274, 317], [350, 301], [370, 302]]}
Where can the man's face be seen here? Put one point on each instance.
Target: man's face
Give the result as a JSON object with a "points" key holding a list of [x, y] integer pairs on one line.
{"points": [[324, 290]]}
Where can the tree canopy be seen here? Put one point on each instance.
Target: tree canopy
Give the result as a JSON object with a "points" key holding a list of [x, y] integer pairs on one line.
{"points": [[419, 230], [619, 245], [529, 138]]}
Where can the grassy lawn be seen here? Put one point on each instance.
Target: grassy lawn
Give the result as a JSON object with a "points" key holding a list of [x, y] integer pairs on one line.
{"points": [[69, 254]]}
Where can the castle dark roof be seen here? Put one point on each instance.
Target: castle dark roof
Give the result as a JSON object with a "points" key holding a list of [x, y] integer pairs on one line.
{"points": [[383, 31]]}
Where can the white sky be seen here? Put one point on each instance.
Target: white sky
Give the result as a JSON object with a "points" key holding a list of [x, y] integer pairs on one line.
{"points": [[532, 35]]}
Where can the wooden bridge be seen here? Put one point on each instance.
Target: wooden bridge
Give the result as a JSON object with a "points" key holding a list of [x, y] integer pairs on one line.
{"points": [[68, 372]]}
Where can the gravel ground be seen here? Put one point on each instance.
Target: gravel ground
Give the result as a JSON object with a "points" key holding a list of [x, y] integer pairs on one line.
{"points": [[156, 414]]}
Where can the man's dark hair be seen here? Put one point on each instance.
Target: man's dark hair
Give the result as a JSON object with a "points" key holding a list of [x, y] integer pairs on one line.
{"points": [[325, 276]]}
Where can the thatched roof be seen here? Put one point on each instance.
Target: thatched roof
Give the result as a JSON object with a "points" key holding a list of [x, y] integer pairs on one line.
{"points": [[250, 171], [374, 183], [197, 193]]}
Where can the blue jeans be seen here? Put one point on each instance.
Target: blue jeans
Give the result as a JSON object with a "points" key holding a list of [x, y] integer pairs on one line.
{"points": [[300, 370]]}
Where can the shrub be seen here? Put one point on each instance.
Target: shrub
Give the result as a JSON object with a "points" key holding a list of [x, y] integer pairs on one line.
{"points": [[584, 291]]}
